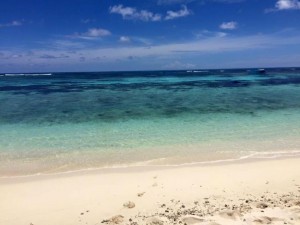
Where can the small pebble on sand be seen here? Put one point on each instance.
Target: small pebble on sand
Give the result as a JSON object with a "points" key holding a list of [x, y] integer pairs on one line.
{"points": [[129, 205]]}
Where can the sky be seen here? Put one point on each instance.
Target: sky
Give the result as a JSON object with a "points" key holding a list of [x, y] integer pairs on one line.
{"points": [[118, 35]]}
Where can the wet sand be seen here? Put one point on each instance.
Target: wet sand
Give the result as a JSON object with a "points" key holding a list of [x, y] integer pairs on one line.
{"points": [[249, 192]]}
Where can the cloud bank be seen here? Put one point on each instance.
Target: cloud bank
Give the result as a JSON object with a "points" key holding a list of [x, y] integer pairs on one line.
{"points": [[131, 13], [111, 54]]}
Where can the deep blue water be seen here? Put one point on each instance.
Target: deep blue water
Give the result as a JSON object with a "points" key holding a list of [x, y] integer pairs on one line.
{"points": [[109, 96]]}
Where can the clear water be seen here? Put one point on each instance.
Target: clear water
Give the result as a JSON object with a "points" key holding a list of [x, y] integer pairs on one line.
{"points": [[70, 121]]}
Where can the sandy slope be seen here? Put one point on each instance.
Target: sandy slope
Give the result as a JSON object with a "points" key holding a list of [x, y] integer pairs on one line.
{"points": [[261, 192]]}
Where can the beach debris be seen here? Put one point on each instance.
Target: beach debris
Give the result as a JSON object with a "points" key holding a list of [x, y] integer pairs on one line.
{"points": [[117, 219], [258, 210], [129, 205], [262, 205], [114, 220], [141, 194], [297, 203]]}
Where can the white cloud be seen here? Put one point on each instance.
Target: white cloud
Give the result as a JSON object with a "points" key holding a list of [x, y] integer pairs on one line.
{"points": [[208, 34], [47, 56], [229, 25], [287, 4], [284, 5], [97, 32], [14, 23], [92, 34], [179, 65], [176, 14], [124, 39], [66, 44], [124, 11], [134, 14], [131, 13]]}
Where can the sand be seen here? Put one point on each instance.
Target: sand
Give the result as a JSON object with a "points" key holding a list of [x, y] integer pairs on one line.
{"points": [[245, 192]]}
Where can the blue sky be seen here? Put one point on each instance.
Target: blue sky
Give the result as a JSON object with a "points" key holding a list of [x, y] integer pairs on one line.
{"points": [[104, 35]]}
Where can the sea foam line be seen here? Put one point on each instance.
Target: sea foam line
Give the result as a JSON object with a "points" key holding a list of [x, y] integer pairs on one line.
{"points": [[27, 74], [255, 155]]}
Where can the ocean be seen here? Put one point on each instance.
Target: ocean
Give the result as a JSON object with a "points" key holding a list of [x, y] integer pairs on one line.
{"points": [[61, 122]]}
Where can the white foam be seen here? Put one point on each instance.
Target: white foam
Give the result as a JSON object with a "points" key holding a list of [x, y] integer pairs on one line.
{"points": [[271, 155], [200, 71], [148, 163], [197, 71], [27, 74]]}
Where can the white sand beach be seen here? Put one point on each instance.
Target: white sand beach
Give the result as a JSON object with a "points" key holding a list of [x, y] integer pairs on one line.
{"points": [[249, 192]]}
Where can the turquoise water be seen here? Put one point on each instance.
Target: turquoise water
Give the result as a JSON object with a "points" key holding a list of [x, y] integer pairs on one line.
{"points": [[70, 121]]}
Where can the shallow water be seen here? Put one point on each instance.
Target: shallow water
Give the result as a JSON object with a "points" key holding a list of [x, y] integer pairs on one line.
{"points": [[69, 121]]}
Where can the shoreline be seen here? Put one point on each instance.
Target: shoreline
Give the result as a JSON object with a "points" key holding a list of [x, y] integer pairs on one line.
{"points": [[99, 197], [148, 167]]}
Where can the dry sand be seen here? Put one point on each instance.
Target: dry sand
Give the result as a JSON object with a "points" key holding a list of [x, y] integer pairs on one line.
{"points": [[261, 192]]}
